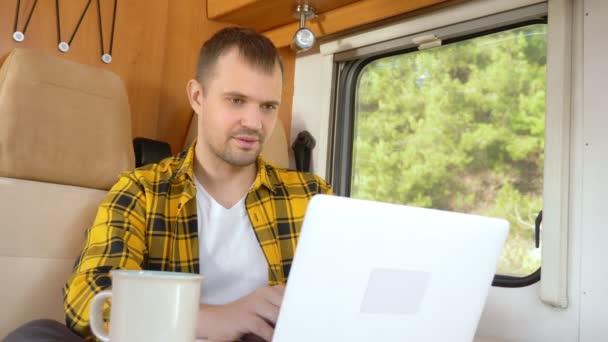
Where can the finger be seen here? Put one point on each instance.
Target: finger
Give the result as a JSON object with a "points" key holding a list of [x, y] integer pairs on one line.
{"points": [[251, 338], [279, 288], [275, 295], [267, 311], [260, 327]]}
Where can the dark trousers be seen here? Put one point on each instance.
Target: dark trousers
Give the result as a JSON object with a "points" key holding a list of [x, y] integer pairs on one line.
{"points": [[43, 330]]}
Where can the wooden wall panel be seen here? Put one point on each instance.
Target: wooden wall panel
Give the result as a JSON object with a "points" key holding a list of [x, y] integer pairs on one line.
{"points": [[138, 45], [155, 51], [218, 8], [263, 15], [188, 27], [348, 17], [285, 111]]}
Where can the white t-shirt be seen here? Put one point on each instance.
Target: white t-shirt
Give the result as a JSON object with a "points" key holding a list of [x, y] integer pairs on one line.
{"points": [[231, 260]]}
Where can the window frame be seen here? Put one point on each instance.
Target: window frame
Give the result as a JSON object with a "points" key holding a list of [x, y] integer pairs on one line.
{"points": [[349, 67]]}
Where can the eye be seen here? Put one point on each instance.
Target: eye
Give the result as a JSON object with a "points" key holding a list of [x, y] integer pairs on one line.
{"points": [[236, 101], [268, 107]]}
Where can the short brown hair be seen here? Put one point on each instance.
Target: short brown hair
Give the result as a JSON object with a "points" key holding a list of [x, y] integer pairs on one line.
{"points": [[255, 48]]}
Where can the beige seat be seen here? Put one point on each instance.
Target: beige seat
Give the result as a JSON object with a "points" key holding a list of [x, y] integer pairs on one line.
{"points": [[65, 135], [275, 148]]}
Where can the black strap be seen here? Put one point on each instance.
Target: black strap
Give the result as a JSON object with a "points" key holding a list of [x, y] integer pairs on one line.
{"points": [[103, 49], [29, 17], [58, 21], [17, 16], [100, 26], [113, 26], [77, 25]]}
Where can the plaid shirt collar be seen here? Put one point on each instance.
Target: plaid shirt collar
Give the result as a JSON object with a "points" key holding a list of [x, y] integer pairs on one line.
{"points": [[263, 177]]}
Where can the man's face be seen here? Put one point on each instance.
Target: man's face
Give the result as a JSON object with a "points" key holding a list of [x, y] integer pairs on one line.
{"points": [[239, 109]]}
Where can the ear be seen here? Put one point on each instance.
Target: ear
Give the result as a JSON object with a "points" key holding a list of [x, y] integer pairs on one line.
{"points": [[194, 91]]}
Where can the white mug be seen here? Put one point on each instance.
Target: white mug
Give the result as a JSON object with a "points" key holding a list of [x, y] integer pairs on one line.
{"points": [[148, 306]]}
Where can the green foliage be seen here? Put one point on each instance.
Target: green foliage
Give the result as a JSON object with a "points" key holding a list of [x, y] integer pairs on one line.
{"points": [[459, 128]]}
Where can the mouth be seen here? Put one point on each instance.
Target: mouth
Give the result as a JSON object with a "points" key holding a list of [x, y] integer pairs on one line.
{"points": [[246, 142]]}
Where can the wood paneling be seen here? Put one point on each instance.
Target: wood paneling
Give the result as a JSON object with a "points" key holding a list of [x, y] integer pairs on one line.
{"points": [[347, 17], [285, 111], [157, 42], [263, 15], [188, 27], [138, 45], [155, 51], [218, 8]]}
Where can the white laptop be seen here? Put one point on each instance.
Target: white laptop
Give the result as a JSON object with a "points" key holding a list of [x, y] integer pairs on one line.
{"points": [[369, 271]]}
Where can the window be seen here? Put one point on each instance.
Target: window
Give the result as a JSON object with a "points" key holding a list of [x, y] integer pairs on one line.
{"points": [[458, 127]]}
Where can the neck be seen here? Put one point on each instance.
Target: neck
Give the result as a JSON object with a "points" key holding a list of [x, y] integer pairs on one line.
{"points": [[226, 183]]}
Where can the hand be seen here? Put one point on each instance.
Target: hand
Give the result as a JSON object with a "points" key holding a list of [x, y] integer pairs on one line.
{"points": [[253, 315], [252, 338]]}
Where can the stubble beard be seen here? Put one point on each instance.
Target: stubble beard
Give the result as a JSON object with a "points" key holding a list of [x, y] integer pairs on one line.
{"points": [[235, 156]]}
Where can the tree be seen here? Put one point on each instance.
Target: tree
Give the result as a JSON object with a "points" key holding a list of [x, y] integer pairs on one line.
{"points": [[460, 128]]}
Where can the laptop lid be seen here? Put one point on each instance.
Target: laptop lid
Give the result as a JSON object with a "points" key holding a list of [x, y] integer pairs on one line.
{"points": [[370, 271]]}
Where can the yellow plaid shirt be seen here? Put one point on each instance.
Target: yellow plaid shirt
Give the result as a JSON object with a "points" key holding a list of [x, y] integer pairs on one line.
{"points": [[148, 221]]}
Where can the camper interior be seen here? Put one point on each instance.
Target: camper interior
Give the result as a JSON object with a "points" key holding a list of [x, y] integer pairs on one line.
{"points": [[487, 107]]}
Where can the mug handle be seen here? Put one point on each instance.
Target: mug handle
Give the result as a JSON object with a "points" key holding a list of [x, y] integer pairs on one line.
{"points": [[96, 318]]}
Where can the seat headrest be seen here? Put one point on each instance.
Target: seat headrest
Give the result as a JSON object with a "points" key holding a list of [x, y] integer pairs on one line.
{"points": [[62, 122], [275, 148]]}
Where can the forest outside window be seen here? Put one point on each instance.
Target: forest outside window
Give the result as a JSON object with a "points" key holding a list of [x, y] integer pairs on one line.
{"points": [[458, 127]]}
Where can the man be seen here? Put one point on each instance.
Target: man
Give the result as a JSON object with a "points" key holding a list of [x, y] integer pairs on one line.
{"points": [[217, 208]]}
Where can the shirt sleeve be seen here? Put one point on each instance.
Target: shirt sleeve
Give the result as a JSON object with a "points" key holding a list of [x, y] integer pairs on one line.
{"points": [[324, 187], [115, 240]]}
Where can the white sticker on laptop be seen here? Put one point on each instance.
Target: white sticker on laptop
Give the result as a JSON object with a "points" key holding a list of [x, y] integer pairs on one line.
{"points": [[394, 291]]}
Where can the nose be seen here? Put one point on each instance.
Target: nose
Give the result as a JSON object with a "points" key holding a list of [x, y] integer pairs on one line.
{"points": [[252, 119]]}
